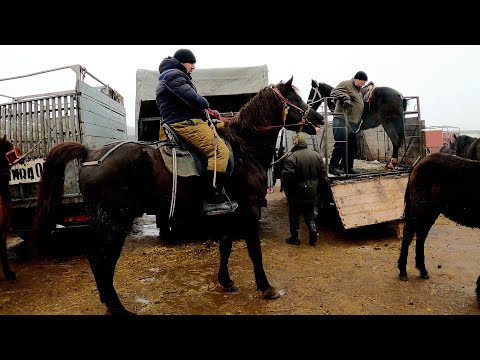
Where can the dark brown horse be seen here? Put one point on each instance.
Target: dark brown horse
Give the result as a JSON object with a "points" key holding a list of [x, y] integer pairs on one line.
{"points": [[383, 106], [9, 155], [467, 147], [438, 184], [133, 180]]}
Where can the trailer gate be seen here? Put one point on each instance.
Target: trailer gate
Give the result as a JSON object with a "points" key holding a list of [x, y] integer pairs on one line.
{"points": [[372, 200]]}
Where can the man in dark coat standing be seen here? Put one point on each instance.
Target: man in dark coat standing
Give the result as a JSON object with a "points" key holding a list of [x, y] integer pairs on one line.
{"points": [[302, 173]]}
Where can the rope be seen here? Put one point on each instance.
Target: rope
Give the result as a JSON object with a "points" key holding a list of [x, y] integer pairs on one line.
{"points": [[283, 156], [215, 143], [34, 146], [174, 183]]}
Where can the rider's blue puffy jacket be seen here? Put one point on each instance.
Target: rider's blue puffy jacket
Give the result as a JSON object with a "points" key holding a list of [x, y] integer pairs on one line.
{"points": [[176, 96]]}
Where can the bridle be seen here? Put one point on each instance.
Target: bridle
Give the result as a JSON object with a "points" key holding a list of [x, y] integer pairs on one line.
{"points": [[13, 156], [286, 107]]}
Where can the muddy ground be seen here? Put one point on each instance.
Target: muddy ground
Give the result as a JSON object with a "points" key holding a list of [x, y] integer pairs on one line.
{"points": [[347, 272]]}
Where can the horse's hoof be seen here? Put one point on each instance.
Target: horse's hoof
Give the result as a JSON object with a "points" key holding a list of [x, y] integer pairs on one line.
{"points": [[403, 277], [119, 311], [271, 294], [424, 276], [230, 287]]}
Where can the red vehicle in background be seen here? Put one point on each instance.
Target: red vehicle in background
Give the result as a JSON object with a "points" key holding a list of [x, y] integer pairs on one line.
{"points": [[437, 137]]}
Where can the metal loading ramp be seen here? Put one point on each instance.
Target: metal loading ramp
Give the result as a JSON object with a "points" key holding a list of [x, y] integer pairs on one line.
{"points": [[371, 200]]}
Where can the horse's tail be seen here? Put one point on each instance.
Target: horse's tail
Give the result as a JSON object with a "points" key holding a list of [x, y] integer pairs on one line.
{"points": [[50, 191]]}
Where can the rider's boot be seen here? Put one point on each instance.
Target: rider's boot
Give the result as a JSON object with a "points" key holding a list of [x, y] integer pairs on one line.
{"points": [[217, 201]]}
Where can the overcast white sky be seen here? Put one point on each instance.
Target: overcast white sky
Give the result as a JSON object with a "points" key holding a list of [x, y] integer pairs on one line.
{"points": [[446, 78]]}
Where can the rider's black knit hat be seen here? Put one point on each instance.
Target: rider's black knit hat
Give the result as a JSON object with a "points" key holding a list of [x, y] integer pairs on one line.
{"points": [[185, 56]]}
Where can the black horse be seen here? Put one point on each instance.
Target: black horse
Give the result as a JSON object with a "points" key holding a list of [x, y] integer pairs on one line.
{"points": [[9, 155], [383, 106], [467, 147], [133, 180], [438, 184]]}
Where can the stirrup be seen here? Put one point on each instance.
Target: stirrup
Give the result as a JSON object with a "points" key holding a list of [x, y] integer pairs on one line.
{"points": [[220, 209]]}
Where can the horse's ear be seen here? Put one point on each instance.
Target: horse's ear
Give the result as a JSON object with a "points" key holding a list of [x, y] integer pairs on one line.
{"points": [[288, 84], [455, 136], [314, 83], [4, 138]]}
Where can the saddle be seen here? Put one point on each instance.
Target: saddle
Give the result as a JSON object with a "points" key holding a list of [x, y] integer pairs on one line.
{"points": [[189, 162], [369, 91]]}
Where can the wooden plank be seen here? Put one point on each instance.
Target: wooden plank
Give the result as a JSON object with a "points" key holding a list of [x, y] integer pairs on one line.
{"points": [[370, 201]]}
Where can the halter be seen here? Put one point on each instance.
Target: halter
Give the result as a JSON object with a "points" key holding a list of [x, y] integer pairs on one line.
{"points": [[286, 107], [13, 156], [320, 98]]}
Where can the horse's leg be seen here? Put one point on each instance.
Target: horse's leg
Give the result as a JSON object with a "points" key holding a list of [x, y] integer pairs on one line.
{"points": [[4, 221], [255, 252], [9, 274], [103, 259], [422, 231], [388, 124], [163, 225], [408, 233], [223, 274], [103, 255]]}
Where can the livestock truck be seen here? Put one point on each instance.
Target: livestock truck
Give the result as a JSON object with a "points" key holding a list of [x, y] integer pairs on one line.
{"points": [[92, 114]]}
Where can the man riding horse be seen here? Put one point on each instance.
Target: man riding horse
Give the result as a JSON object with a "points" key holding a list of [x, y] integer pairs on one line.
{"points": [[185, 111]]}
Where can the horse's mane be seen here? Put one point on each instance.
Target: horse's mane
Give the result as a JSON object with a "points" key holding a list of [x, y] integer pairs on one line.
{"points": [[254, 117], [252, 123], [252, 114], [324, 88]]}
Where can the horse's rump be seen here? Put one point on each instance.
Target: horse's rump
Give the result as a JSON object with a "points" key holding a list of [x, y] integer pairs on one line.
{"points": [[446, 184]]}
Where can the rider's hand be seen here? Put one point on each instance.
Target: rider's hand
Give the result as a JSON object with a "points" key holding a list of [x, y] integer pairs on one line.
{"points": [[213, 113]]}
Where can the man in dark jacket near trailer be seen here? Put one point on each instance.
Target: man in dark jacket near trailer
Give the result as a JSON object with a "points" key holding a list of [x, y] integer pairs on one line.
{"points": [[302, 172], [185, 111]]}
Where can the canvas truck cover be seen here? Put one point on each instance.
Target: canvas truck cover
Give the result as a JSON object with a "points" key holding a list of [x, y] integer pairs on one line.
{"points": [[220, 83]]}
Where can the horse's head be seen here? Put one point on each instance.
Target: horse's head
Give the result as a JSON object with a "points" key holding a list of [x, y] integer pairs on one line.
{"points": [[462, 142], [317, 94], [11, 152], [295, 111]]}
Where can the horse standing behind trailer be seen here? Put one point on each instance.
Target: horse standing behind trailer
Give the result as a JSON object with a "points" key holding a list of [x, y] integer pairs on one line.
{"points": [[92, 116]]}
